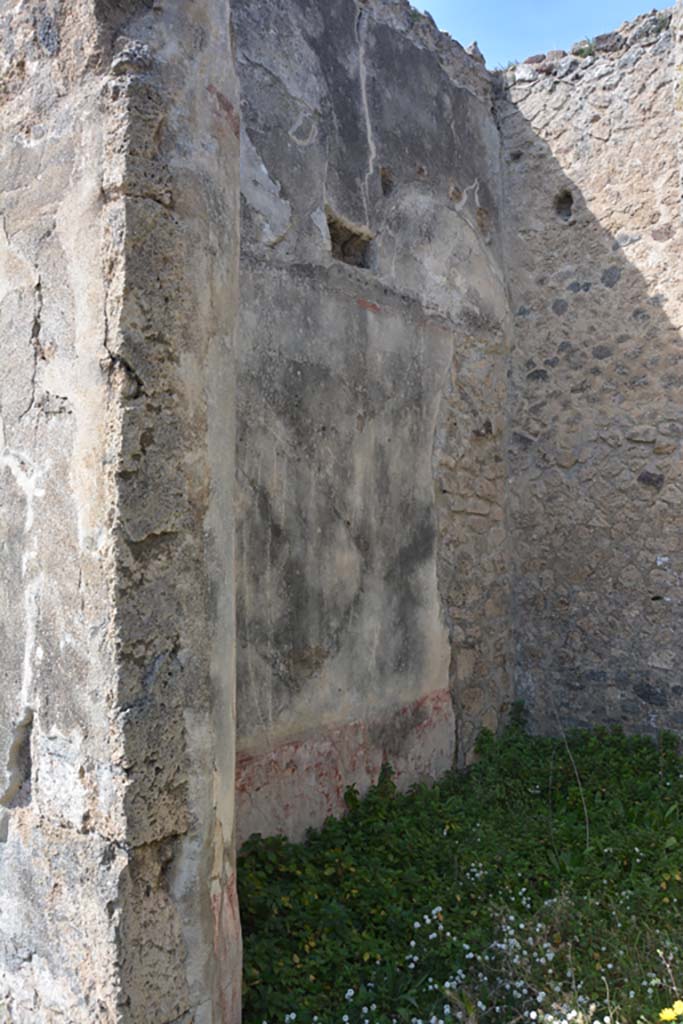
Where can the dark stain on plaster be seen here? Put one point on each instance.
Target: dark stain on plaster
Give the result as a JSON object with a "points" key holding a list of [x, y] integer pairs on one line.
{"points": [[387, 180], [405, 647], [393, 735]]}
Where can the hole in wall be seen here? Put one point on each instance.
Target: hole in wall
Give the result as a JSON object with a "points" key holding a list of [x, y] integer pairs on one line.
{"points": [[350, 243], [18, 792], [387, 179], [564, 204]]}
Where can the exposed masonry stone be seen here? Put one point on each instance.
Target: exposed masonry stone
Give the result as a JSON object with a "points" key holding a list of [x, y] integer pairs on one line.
{"points": [[457, 389], [594, 494]]}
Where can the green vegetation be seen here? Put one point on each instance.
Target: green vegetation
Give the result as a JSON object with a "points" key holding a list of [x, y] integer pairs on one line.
{"points": [[507, 67], [586, 51], [543, 886]]}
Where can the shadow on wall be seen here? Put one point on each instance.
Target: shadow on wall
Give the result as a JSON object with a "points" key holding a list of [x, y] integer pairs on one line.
{"points": [[593, 251], [388, 473], [370, 407]]}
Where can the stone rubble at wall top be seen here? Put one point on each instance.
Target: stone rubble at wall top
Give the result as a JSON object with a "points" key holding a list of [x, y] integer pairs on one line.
{"points": [[606, 49], [466, 67]]}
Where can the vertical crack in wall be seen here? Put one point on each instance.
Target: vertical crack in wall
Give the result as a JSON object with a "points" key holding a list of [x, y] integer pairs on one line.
{"points": [[361, 36], [35, 344]]}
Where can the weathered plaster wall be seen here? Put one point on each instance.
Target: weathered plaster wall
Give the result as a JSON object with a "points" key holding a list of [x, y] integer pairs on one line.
{"points": [[118, 244], [61, 792], [597, 380], [372, 569]]}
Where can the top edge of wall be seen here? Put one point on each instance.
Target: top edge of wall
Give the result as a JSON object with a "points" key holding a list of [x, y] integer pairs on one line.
{"points": [[591, 56], [465, 66]]}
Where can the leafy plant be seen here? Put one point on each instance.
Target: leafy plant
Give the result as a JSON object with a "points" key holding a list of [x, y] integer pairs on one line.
{"points": [[586, 51], [542, 885]]}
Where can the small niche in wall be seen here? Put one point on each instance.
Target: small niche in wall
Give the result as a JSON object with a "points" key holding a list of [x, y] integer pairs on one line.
{"points": [[350, 243], [387, 179], [564, 204]]}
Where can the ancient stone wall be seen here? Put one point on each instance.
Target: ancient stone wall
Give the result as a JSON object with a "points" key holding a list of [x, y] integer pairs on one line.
{"points": [[593, 242], [372, 570], [119, 140], [458, 390]]}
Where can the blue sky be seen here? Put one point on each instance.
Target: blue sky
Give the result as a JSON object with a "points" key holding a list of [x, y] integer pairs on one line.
{"points": [[509, 30]]}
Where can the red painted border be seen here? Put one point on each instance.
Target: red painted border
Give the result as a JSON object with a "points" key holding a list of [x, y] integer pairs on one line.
{"points": [[301, 782]]}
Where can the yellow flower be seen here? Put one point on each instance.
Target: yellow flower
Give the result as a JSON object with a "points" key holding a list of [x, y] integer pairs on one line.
{"points": [[678, 1007], [668, 1014]]}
